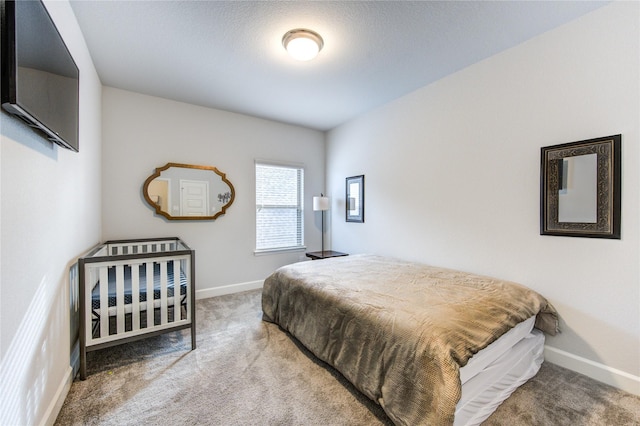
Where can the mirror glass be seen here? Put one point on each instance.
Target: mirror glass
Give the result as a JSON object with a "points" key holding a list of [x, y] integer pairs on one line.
{"points": [[184, 191], [354, 200], [578, 189]]}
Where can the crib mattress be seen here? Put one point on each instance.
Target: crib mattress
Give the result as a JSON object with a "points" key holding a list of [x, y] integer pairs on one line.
{"points": [[95, 292]]}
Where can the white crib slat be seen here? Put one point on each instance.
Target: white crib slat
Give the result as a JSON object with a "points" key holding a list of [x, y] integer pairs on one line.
{"points": [[187, 273], [149, 294], [177, 312], [120, 299], [163, 293], [135, 297], [104, 301]]}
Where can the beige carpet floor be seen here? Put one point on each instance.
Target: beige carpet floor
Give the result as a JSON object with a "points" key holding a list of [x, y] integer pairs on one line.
{"points": [[248, 372]]}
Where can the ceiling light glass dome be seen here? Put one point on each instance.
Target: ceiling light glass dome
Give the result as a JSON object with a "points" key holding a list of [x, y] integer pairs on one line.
{"points": [[302, 44]]}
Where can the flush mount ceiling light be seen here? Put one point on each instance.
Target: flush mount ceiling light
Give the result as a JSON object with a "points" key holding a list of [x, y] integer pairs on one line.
{"points": [[302, 44]]}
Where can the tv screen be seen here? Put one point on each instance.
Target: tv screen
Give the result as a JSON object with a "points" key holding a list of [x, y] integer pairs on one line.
{"points": [[40, 80]]}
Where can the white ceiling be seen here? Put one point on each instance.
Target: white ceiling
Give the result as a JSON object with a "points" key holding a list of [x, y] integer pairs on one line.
{"points": [[228, 54]]}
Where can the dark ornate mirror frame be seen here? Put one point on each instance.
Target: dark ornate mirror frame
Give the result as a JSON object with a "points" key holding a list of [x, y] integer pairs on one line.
{"points": [[608, 175], [158, 209]]}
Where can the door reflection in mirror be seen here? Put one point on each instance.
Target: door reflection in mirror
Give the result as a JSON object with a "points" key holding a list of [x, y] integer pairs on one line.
{"points": [[194, 197]]}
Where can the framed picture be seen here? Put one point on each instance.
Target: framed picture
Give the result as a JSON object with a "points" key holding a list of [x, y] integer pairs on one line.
{"points": [[580, 188], [355, 199]]}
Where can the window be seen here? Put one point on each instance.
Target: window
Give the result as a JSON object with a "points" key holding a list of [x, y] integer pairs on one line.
{"points": [[279, 218]]}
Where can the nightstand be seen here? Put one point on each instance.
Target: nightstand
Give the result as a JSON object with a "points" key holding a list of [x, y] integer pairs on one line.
{"points": [[315, 255]]}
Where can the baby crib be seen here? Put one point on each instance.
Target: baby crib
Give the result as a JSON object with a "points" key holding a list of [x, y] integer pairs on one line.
{"points": [[132, 289]]}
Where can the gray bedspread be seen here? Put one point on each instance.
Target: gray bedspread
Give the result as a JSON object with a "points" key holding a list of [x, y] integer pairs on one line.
{"points": [[399, 331]]}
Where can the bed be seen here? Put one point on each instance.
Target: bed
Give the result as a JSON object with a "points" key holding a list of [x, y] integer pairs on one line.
{"points": [[432, 346], [132, 289]]}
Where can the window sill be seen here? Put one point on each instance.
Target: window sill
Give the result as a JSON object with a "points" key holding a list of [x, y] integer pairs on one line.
{"points": [[278, 250]]}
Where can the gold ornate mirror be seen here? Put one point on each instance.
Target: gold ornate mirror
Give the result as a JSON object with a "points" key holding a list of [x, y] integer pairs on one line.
{"points": [[187, 192]]}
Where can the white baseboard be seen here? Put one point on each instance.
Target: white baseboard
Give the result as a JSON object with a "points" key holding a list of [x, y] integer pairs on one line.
{"points": [[597, 371], [51, 414], [228, 289]]}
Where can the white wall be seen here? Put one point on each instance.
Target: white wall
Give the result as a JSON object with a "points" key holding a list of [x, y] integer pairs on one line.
{"points": [[50, 214], [452, 179], [143, 132]]}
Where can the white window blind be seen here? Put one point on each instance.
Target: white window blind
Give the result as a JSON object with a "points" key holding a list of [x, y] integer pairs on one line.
{"points": [[279, 207]]}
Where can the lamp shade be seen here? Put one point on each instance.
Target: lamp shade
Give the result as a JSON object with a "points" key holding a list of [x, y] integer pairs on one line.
{"points": [[320, 203]]}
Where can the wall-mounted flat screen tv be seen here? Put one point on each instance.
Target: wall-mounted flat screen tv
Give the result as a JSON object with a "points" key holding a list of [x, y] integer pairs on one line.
{"points": [[40, 80]]}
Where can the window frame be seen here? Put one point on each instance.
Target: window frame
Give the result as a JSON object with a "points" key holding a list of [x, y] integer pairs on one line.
{"points": [[300, 207]]}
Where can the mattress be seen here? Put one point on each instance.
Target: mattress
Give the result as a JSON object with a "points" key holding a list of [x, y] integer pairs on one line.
{"points": [[498, 371], [112, 295], [486, 356]]}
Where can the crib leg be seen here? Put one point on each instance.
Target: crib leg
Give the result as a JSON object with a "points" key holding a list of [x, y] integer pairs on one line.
{"points": [[83, 363], [193, 335]]}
